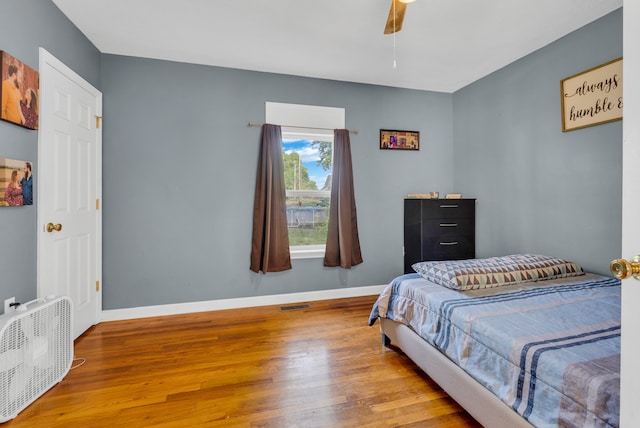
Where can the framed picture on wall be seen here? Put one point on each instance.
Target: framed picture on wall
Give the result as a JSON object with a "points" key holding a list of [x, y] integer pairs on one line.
{"points": [[592, 97], [19, 92], [16, 183], [399, 140]]}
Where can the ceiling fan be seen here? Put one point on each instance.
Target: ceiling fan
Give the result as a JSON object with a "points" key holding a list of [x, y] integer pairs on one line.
{"points": [[396, 16]]}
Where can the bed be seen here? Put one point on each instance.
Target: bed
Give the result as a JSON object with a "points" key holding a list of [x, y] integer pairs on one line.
{"points": [[519, 341]]}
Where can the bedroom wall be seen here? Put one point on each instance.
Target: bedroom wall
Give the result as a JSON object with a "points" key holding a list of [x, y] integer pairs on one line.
{"points": [[177, 208], [539, 189], [27, 25], [179, 176]]}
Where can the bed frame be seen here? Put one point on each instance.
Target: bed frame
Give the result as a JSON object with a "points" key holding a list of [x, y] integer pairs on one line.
{"points": [[479, 402]]}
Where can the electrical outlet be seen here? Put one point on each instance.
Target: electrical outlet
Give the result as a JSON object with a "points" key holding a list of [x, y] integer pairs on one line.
{"points": [[8, 308]]}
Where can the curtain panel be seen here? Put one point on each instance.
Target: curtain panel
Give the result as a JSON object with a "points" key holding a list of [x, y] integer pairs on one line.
{"points": [[343, 244], [270, 241]]}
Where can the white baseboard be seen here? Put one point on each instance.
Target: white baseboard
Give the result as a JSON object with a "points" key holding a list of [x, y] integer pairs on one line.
{"points": [[237, 303]]}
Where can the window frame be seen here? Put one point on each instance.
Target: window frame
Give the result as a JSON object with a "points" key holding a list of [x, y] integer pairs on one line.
{"points": [[302, 122], [314, 251]]}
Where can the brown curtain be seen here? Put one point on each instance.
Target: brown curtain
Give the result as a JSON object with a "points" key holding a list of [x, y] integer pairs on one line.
{"points": [[343, 244], [270, 242]]}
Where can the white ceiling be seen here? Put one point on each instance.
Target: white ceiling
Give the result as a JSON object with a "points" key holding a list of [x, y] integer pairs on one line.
{"points": [[443, 46]]}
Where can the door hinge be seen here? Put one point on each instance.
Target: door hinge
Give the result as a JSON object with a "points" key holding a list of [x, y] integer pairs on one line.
{"points": [[97, 204], [98, 119], [97, 286]]}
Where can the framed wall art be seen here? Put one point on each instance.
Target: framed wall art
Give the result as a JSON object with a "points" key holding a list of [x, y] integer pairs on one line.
{"points": [[16, 183], [399, 140], [19, 92], [592, 97]]}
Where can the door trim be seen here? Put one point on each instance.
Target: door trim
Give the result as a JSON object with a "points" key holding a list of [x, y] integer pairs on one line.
{"points": [[48, 60]]}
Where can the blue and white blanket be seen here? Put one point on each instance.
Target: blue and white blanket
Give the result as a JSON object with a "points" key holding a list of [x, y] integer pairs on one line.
{"points": [[548, 349]]}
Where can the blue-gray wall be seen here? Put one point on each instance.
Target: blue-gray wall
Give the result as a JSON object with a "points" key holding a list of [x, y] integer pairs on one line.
{"points": [[179, 164], [539, 189], [26, 26], [179, 177]]}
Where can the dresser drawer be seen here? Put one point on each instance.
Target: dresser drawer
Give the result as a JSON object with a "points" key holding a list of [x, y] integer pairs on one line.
{"points": [[452, 208], [448, 247], [451, 227]]}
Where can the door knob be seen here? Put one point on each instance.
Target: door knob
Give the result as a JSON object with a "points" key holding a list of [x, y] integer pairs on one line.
{"points": [[51, 227], [622, 269]]}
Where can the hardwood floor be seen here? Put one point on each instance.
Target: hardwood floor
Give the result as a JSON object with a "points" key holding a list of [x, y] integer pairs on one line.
{"points": [[255, 367]]}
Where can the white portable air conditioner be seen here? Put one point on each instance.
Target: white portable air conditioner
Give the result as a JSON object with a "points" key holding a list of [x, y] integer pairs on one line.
{"points": [[36, 352]]}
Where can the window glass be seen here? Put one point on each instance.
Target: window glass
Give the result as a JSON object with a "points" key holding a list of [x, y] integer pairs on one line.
{"points": [[307, 176]]}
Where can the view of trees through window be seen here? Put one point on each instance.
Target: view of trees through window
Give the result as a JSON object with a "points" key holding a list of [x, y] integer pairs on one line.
{"points": [[307, 176]]}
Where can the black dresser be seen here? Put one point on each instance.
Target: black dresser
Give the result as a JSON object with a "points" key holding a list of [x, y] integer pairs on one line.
{"points": [[438, 229]]}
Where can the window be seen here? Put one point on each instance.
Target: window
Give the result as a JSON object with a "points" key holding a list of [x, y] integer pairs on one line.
{"points": [[307, 146], [307, 176]]}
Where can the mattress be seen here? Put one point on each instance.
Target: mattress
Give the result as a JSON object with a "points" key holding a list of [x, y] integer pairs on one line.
{"points": [[550, 349]]}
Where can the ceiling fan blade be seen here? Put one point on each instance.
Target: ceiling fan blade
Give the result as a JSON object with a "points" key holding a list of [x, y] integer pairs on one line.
{"points": [[394, 25]]}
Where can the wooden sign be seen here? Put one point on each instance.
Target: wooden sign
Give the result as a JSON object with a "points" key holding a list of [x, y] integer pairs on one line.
{"points": [[592, 97]]}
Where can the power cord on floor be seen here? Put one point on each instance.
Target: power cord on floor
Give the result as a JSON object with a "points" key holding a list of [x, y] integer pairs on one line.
{"points": [[81, 362]]}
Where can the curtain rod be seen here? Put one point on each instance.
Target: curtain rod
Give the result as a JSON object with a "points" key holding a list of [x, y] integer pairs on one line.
{"points": [[355, 131]]}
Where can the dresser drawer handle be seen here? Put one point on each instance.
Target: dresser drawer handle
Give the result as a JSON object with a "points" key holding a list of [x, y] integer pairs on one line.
{"points": [[449, 243], [448, 206], [448, 224]]}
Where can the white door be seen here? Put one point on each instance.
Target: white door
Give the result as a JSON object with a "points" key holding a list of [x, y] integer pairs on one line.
{"points": [[69, 190], [630, 371]]}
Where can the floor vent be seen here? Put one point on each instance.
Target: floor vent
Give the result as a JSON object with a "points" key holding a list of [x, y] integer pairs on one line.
{"points": [[294, 307]]}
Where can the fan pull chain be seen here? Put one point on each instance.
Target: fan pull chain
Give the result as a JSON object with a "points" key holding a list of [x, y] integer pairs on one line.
{"points": [[394, 34], [394, 51]]}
